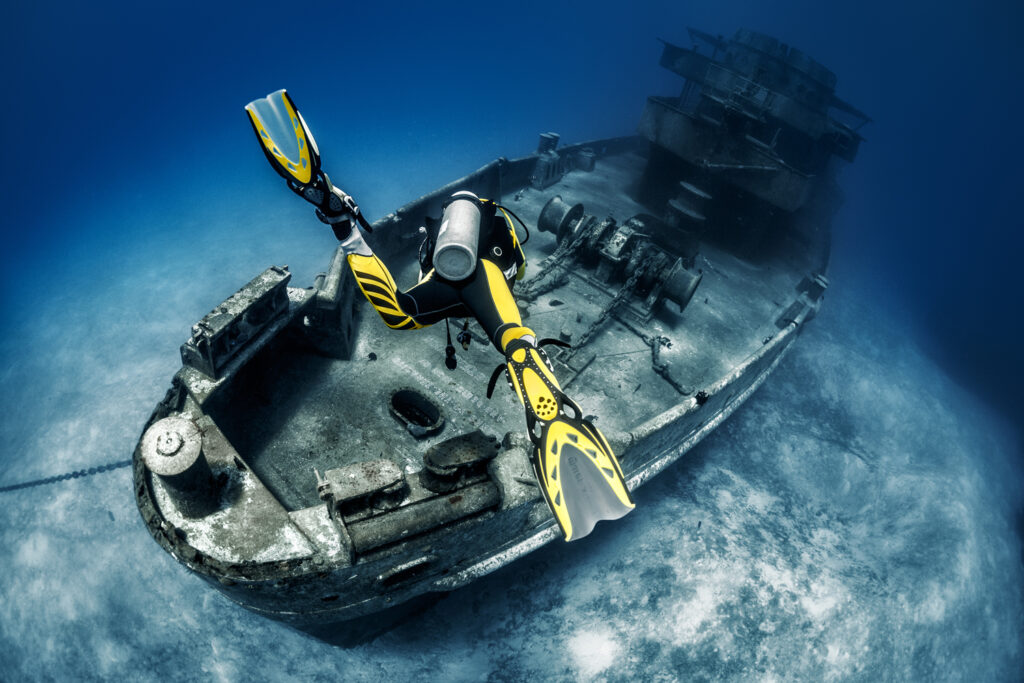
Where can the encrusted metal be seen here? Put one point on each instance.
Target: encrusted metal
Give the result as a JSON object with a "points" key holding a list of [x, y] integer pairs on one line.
{"points": [[218, 337], [341, 470]]}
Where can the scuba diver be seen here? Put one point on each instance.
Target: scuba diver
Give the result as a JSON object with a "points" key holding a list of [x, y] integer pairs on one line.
{"points": [[469, 262]]}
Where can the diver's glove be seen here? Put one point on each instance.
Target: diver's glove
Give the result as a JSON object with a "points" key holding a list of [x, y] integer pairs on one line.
{"points": [[333, 206]]}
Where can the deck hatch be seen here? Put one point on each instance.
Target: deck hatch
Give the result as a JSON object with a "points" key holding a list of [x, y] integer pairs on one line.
{"points": [[420, 416]]}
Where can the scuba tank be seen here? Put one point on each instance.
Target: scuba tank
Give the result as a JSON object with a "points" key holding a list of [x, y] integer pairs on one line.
{"points": [[455, 249]]}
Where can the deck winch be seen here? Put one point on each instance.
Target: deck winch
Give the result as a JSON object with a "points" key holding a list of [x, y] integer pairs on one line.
{"points": [[654, 258]]}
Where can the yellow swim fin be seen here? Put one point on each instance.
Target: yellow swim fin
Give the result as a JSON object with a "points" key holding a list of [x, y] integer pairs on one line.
{"points": [[291, 150], [577, 471], [285, 138]]}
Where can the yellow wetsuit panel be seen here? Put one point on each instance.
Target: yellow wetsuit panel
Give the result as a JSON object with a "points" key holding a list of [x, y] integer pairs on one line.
{"points": [[379, 288], [500, 293]]}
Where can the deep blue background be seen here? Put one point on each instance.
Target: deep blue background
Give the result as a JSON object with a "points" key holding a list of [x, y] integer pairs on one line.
{"points": [[858, 514], [125, 122]]}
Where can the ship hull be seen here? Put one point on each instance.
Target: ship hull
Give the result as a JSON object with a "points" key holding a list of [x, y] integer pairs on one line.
{"points": [[307, 591]]}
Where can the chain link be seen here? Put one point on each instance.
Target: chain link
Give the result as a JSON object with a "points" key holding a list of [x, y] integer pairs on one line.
{"points": [[70, 475], [624, 293]]}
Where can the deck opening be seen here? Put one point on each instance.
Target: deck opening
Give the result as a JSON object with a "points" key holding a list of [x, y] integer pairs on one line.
{"points": [[421, 416]]}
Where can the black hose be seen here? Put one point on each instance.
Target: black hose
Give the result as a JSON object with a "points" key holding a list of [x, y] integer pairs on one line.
{"points": [[521, 222]]}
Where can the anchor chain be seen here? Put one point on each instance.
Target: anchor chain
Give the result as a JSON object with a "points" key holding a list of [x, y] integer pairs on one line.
{"points": [[624, 293], [550, 277], [77, 474]]}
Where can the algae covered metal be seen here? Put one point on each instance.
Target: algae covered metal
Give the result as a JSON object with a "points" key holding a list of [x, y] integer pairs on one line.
{"points": [[317, 467]]}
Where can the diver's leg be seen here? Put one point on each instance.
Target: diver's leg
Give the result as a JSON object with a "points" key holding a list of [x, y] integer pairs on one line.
{"points": [[375, 282], [422, 305], [490, 300], [575, 466], [432, 301]]}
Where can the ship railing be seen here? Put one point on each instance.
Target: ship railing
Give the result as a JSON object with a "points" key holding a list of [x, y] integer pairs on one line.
{"points": [[736, 91]]}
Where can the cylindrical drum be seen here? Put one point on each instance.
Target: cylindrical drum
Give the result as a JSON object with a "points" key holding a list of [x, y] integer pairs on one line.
{"points": [[680, 284], [585, 159], [457, 238], [172, 450], [559, 218]]}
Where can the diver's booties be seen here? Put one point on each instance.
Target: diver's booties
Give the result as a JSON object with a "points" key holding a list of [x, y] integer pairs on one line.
{"points": [[530, 375], [334, 207]]}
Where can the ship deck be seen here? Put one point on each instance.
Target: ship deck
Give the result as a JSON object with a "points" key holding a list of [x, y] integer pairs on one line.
{"points": [[291, 411]]}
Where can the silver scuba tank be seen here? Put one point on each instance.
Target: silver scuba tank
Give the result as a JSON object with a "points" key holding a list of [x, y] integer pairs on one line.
{"points": [[457, 238]]}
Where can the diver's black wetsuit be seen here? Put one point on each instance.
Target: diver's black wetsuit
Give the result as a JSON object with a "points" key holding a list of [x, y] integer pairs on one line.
{"points": [[485, 295]]}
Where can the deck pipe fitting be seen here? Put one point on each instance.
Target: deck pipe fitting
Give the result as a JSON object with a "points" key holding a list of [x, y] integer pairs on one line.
{"points": [[548, 142]]}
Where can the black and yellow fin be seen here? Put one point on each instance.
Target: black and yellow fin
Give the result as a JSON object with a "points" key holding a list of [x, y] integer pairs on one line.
{"points": [[578, 473], [285, 138]]}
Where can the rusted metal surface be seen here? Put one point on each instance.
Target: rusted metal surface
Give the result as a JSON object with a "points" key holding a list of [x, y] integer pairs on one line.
{"points": [[218, 337]]}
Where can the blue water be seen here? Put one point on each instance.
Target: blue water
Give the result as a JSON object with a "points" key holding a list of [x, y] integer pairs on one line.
{"points": [[858, 514]]}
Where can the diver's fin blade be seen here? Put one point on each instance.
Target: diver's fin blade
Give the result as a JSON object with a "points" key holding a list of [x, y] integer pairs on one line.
{"points": [[580, 477], [285, 137]]}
